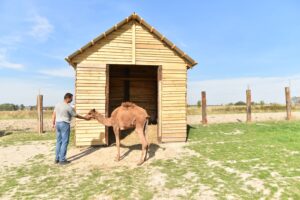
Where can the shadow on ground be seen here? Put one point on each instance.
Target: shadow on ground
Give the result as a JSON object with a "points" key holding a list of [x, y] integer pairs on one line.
{"points": [[151, 151], [4, 133], [188, 128], [86, 152]]}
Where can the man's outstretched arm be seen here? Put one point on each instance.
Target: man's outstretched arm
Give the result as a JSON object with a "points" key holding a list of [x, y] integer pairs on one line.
{"points": [[83, 117]]}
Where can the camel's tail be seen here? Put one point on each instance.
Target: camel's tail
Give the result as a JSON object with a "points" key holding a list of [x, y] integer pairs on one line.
{"points": [[146, 126]]}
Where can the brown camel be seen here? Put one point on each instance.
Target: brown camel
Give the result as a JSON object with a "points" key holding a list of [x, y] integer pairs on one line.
{"points": [[126, 116]]}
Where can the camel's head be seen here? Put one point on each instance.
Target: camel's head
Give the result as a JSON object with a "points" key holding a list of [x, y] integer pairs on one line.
{"points": [[92, 113]]}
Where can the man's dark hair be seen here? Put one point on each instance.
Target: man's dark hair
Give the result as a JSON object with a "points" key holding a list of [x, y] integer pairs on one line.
{"points": [[68, 96]]}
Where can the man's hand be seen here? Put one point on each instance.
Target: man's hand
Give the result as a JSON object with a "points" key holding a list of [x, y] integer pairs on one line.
{"points": [[53, 124], [88, 117]]}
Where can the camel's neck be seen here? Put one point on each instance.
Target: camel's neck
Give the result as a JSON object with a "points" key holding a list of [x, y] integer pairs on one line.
{"points": [[103, 120]]}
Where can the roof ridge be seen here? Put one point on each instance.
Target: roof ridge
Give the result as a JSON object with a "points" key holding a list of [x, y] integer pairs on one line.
{"points": [[136, 17]]}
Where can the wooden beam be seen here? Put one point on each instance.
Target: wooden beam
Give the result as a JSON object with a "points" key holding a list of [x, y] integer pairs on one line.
{"points": [[133, 43], [248, 100], [204, 106], [107, 103], [39, 107], [159, 103], [288, 103]]}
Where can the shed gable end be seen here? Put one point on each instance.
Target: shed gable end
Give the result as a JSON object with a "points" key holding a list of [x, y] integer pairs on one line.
{"points": [[115, 48], [152, 50]]}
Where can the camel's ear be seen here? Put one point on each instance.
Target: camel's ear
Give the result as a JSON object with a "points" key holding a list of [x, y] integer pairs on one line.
{"points": [[94, 110]]}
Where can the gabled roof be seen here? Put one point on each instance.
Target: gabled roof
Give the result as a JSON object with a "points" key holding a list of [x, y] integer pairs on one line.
{"points": [[190, 62]]}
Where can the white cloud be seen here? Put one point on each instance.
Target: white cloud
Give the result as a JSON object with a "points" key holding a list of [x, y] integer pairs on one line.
{"points": [[6, 63], [41, 28], [268, 89], [10, 40], [59, 72]]}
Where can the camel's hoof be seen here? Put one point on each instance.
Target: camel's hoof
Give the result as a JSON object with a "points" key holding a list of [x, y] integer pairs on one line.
{"points": [[140, 162], [117, 159]]}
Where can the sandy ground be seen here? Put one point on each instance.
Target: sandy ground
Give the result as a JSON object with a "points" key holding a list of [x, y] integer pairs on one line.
{"points": [[24, 124], [256, 117], [13, 156], [89, 157]]}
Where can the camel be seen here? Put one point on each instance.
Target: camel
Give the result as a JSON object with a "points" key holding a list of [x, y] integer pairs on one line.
{"points": [[127, 116]]}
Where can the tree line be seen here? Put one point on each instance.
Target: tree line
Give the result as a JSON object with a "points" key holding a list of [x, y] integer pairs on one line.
{"points": [[14, 107]]}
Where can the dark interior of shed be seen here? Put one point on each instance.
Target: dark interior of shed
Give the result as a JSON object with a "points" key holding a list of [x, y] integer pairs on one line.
{"points": [[134, 83]]}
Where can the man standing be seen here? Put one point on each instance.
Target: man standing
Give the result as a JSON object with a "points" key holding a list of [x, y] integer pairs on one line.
{"points": [[61, 120]]}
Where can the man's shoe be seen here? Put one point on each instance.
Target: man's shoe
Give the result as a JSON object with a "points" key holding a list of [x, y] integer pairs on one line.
{"points": [[65, 162], [56, 161]]}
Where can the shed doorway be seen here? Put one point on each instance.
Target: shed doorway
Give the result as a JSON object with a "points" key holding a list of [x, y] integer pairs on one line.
{"points": [[137, 84]]}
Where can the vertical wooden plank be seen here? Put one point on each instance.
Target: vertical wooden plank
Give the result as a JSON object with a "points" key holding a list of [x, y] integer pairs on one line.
{"points": [[159, 100], [133, 43], [39, 108], [75, 95], [107, 103], [204, 106], [288, 103], [248, 102]]}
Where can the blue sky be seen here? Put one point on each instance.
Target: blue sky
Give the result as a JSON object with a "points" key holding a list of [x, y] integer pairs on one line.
{"points": [[236, 43]]}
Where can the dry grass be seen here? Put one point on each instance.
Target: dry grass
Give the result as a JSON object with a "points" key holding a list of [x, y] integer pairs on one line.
{"points": [[23, 114], [232, 109]]}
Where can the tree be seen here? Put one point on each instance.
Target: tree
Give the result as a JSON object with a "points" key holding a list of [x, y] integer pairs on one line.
{"points": [[240, 103], [22, 107], [296, 100], [199, 103], [262, 103]]}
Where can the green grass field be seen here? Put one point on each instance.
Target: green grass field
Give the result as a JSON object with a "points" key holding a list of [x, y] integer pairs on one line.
{"points": [[228, 161]]}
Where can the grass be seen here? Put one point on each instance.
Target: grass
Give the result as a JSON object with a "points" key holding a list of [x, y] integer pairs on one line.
{"points": [[23, 114], [231, 109], [17, 137], [244, 161]]}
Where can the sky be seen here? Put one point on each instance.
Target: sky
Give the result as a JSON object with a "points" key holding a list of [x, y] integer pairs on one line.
{"points": [[237, 44]]}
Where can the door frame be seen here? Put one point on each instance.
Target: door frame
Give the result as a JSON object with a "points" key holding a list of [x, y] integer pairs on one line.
{"points": [[159, 97], [159, 103], [107, 103]]}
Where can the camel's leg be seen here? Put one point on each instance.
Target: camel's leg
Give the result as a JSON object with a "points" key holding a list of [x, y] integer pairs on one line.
{"points": [[144, 143], [117, 136]]}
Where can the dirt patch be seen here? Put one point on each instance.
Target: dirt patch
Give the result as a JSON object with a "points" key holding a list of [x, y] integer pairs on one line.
{"points": [[25, 124], [17, 155], [241, 117], [90, 157], [103, 157]]}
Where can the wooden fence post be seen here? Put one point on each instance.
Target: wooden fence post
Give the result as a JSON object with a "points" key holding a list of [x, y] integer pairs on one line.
{"points": [[288, 103], [203, 105], [39, 107], [248, 100]]}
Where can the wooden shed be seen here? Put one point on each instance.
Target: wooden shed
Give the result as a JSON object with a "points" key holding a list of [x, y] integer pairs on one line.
{"points": [[131, 61]]}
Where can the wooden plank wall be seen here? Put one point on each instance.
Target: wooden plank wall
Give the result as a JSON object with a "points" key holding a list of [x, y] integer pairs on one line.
{"points": [[151, 50], [173, 102], [90, 93], [117, 48]]}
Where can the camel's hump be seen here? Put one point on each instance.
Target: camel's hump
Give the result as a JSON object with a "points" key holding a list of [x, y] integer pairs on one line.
{"points": [[128, 104]]}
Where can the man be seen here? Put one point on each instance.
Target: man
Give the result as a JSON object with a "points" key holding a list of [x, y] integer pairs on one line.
{"points": [[61, 120]]}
